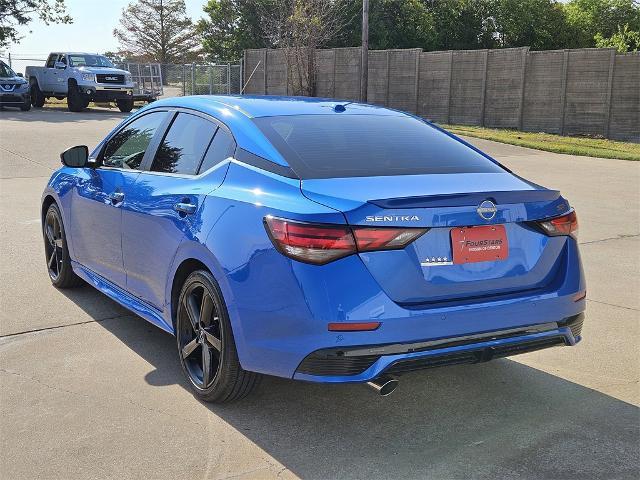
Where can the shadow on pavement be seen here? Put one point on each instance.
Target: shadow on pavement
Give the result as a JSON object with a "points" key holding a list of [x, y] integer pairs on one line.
{"points": [[497, 420], [60, 113]]}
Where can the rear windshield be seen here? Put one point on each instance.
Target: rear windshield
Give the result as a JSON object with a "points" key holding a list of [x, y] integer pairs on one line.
{"points": [[328, 146]]}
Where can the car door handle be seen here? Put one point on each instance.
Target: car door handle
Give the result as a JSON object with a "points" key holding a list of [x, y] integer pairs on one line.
{"points": [[186, 208], [116, 198]]}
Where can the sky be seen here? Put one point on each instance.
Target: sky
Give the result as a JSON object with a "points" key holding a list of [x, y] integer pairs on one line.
{"points": [[91, 31]]}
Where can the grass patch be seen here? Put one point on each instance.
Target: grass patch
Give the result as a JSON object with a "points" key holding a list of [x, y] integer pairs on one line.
{"points": [[591, 147]]}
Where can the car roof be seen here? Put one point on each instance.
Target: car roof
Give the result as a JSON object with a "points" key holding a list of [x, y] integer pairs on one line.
{"points": [[254, 106]]}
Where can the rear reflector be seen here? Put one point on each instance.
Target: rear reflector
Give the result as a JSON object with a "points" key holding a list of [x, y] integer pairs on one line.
{"points": [[353, 327], [322, 243], [564, 225]]}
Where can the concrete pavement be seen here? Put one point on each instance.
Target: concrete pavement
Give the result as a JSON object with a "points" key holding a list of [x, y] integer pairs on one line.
{"points": [[88, 390]]}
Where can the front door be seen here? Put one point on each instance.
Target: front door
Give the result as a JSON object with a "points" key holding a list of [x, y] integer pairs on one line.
{"points": [[167, 200], [96, 211]]}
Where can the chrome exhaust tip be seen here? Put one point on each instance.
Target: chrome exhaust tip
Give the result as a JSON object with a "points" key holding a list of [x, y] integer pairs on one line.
{"points": [[384, 385]]}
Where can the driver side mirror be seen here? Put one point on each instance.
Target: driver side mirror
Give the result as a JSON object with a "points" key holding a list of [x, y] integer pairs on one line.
{"points": [[60, 65], [76, 157], [20, 75]]}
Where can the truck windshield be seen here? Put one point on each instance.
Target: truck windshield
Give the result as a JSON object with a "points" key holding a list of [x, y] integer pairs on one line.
{"points": [[90, 61], [5, 71]]}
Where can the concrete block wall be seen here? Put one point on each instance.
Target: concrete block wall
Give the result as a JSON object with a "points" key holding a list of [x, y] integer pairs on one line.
{"points": [[544, 91], [625, 98], [573, 92]]}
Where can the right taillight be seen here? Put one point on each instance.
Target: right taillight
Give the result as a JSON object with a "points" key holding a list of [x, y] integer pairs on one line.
{"points": [[322, 243], [564, 225]]}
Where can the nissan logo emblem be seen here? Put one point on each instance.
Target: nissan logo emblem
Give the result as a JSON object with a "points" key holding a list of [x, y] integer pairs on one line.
{"points": [[487, 210]]}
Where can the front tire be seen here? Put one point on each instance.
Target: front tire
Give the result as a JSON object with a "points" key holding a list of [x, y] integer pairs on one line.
{"points": [[206, 347], [56, 251], [75, 99], [26, 106], [125, 105]]}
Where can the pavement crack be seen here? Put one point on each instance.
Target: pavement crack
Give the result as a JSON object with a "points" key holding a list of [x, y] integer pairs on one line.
{"points": [[617, 237], [26, 158], [613, 305], [55, 327]]}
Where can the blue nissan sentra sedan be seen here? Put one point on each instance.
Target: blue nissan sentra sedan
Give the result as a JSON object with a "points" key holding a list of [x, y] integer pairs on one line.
{"points": [[313, 239]]}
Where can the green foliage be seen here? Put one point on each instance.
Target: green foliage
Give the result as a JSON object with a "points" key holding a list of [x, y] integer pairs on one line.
{"points": [[157, 31], [624, 40], [588, 18], [233, 25], [230, 26], [14, 13]]}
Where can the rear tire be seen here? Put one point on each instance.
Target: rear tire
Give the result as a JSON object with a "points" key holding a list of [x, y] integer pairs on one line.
{"points": [[125, 106], [56, 251], [37, 97], [206, 347], [26, 106]]}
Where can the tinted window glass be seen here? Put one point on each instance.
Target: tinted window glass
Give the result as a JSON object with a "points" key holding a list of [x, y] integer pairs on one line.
{"points": [[184, 144], [325, 146], [221, 148], [51, 60], [126, 148]]}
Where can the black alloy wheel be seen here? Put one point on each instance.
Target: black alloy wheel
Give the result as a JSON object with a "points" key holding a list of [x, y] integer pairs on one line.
{"points": [[205, 342], [53, 245], [200, 336], [56, 251]]}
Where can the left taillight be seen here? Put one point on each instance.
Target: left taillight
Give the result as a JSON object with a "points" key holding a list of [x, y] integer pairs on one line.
{"points": [[563, 225], [322, 243]]}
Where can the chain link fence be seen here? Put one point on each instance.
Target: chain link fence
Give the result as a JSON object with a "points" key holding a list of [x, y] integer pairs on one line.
{"points": [[175, 80]]}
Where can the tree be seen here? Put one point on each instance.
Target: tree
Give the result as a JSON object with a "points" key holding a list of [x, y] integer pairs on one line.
{"points": [[539, 24], [14, 13], [300, 27], [588, 18], [157, 31], [624, 40], [231, 26]]}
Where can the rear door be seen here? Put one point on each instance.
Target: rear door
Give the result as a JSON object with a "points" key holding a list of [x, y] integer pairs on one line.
{"points": [[49, 74], [167, 200]]}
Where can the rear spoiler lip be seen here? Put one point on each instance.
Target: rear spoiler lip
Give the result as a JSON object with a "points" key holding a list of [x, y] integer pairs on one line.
{"points": [[469, 199]]}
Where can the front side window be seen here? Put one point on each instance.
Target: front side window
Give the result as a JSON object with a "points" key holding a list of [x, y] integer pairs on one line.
{"points": [[183, 146], [127, 147]]}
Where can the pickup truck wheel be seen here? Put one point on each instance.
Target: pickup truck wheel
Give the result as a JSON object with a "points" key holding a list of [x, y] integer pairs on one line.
{"points": [[26, 106], [75, 100], [37, 98], [125, 105]]}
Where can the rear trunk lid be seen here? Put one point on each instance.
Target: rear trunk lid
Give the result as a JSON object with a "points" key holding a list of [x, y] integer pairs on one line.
{"points": [[426, 270]]}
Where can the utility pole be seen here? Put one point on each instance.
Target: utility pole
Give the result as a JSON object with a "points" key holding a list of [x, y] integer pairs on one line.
{"points": [[364, 74]]}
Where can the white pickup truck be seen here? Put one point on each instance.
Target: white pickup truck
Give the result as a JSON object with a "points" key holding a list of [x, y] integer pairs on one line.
{"points": [[81, 78]]}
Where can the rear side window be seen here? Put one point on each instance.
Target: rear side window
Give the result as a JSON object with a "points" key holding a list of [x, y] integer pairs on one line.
{"points": [[51, 61], [343, 145], [183, 147], [127, 147], [221, 148]]}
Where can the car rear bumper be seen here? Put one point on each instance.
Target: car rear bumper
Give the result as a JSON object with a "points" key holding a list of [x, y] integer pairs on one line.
{"points": [[360, 364]]}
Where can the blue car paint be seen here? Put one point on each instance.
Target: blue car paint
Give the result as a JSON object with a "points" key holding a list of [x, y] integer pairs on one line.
{"points": [[279, 308]]}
